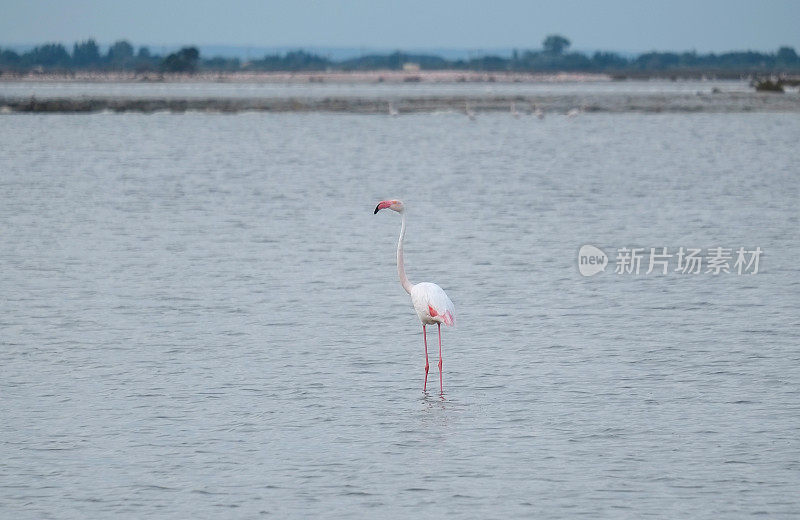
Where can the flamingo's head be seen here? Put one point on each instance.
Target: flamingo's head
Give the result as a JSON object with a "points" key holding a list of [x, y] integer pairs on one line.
{"points": [[394, 205]]}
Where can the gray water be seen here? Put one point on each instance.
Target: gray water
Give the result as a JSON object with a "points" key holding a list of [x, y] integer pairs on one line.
{"points": [[255, 89], [200, 317]]}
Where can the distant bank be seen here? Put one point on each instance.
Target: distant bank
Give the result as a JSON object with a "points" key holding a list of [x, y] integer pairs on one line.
{"points": [[365, 77], [300, 77], [378, 100]]}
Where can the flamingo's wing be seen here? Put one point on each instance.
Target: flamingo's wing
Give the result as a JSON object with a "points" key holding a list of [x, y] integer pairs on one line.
{"points": [[439, 303]]}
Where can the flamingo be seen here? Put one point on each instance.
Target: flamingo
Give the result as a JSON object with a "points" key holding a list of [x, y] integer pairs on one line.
{"points": [[470, 113], [576, 111], [430, 301]]}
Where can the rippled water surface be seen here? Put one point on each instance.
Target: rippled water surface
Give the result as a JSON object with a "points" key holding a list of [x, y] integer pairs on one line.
{"points": [[256, 89], [201, 318]]}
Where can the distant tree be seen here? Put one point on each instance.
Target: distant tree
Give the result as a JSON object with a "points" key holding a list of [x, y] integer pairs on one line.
{"points": [[301, 60], [120, 54], [144, 61], [49, 55], [657, 60], [85, 54], [689, 59], [608, 60], [743, 60], [396, 60], [9, 58], [786, 56], [555, 44], [185, 60], [493, 63], [292, 61], [429, 62], [222, 64]]}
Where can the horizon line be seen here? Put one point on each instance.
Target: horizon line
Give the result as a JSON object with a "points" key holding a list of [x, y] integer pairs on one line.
{"points": [[388, 49]]}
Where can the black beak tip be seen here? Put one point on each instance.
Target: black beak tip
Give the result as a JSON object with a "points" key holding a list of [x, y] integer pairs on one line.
{"points": [[377, 208]]}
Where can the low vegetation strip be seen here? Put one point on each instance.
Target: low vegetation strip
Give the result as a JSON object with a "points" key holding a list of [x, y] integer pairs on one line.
{"points": [[649, 103]]}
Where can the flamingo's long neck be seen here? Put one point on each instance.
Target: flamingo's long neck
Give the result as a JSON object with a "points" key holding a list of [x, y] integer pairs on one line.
{"points": [[401, 270]]}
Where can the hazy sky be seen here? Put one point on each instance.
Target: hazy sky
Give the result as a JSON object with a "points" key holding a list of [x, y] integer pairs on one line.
{"points": [[621, 25]]}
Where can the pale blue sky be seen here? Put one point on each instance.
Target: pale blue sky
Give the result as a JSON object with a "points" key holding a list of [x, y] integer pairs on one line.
{"points": [[621, 25]]}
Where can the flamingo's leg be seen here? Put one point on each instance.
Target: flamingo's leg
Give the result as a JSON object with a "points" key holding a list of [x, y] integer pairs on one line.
{"points": [[425, 339], [441, 388]]}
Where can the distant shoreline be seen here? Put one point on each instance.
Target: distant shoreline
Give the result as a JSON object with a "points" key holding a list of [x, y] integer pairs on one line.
{"points": [[702, 100], [370, 76], [720, 102], [377, 76]]}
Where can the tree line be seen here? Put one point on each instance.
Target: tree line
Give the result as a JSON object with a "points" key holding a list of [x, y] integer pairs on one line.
{"points": [[553, 56], [86, 55]]}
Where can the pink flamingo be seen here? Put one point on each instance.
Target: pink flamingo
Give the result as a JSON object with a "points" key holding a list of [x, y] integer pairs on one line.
{"points": [[430, 301]]}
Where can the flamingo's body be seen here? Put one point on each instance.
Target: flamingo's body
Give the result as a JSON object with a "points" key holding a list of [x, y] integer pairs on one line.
{"points": [[430, 301], [575, 112], [470, 113], [432, 304]]}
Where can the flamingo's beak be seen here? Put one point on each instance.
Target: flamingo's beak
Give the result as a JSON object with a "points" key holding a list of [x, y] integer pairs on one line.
{"points": [[382, 205]]}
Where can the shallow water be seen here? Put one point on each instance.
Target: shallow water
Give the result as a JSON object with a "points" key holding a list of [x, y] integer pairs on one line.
{"points": [[133, 89], [201, 317]]}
